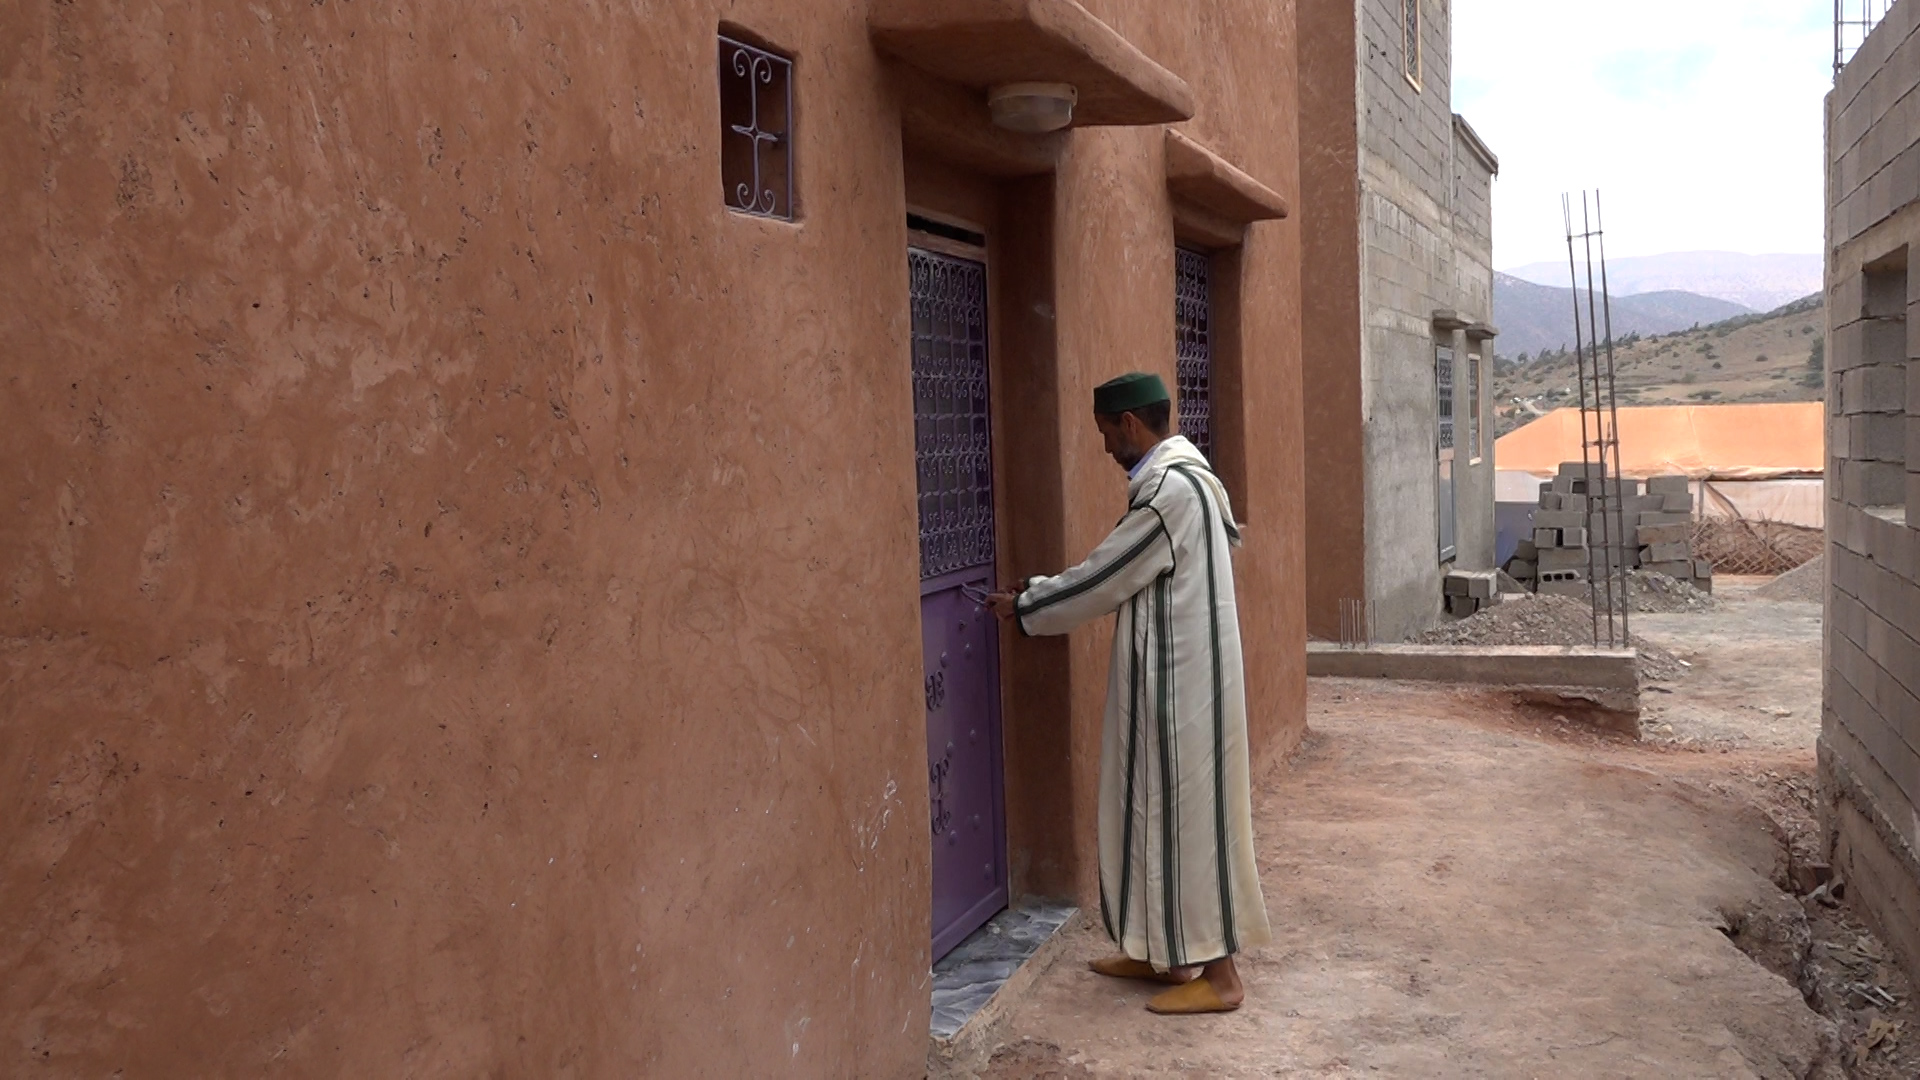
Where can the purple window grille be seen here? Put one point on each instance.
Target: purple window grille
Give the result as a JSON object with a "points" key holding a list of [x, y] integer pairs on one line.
{"points": [[1193, 348], [950, 412]]}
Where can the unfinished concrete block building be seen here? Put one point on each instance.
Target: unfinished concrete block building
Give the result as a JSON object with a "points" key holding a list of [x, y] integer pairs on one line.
{"points": [[495, 494], [1870, 733], [1397, 315]]}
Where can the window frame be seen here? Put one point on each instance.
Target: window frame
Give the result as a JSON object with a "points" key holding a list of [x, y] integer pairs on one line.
{"points": [[1206, 443], [1412, 58], [734, 44], [1476, 431]]}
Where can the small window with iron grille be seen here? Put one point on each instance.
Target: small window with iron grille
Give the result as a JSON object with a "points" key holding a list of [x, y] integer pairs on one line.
{"points": [[1193, 347], [1443, 396], [1410, 40], [1474, 449], [756, 129]]}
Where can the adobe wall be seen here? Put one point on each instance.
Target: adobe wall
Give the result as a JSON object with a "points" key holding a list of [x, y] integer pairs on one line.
{"points": [[1336, 489], [461, 603], [1870, 730]]}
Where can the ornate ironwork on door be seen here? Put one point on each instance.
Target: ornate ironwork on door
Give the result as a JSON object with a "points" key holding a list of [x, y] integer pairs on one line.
{"points": [[1193, 347], [950, 412]]}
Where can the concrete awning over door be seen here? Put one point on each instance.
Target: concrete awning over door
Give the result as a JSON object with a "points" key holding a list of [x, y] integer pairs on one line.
{"points": [[981, 44]]}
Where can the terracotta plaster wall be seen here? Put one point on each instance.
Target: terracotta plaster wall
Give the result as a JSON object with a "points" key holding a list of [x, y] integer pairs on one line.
{"points": [[435, 638], [1240, 58], [1336, 488], [461, 595]]}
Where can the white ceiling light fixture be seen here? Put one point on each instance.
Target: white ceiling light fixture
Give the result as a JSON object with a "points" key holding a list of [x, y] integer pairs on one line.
{"points": [[1032, 108]]}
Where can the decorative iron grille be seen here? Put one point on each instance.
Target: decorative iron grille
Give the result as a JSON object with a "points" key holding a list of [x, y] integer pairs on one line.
{"points": [[756, 125], [952, 441], [1474, 448], [1193, 348], [1410, 40], [1443, 392]]}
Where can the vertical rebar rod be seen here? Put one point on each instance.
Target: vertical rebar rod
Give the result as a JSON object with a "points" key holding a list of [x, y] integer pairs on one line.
{"points": [[1613, 411], [1580, 380], [1600, 437]]}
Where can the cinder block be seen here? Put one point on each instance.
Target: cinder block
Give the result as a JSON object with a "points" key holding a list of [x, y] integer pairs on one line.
{"points": [[1873, 483], [1546, 538], [1879, 387], [1664, 518], [1571, 538], [1678, 504], [1550, 500], [1702, 568], [1522, 569], [1649, 535], [1481, 586], [1574, 589], [1461, 606], [1877, 437], [1668, 485], [1557, 519], [1526, 550], [1552, 559], [1660, 553]]}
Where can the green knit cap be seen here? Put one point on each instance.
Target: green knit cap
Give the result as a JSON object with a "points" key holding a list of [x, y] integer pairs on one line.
{"points": [[1131, 391]]}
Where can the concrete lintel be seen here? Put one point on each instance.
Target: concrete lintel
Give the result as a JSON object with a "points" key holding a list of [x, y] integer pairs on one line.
{"points": [[1606, 669], [1482, 331], [987, 43], [1204, 178], [1447, 320]]}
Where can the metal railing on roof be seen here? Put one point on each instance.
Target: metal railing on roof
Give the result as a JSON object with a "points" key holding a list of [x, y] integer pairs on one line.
{"points": [[1853, 20]]}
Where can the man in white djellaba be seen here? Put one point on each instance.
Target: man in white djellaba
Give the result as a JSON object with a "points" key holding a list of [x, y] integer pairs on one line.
{"points": [[1179, 891]]}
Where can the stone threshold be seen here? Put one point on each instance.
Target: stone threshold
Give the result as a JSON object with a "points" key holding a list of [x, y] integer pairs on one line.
{"points": [[978, 984]]}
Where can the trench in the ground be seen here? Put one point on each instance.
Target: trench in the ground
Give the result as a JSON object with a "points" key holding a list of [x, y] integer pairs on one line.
{"points": [[1799, 947]]}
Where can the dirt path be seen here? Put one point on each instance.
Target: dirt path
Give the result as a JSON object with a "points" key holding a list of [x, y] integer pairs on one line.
{"points": [[1461, 888], [1755, 677]]}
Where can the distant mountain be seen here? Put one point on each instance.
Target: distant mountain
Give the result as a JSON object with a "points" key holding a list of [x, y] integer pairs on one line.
{"points": [[1755, 282], [1536, 317], [1778, 356]]}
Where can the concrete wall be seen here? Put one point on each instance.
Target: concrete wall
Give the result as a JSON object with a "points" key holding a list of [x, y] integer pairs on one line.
{"points": [[1422, 215], [1870, 732], [461, 602]]}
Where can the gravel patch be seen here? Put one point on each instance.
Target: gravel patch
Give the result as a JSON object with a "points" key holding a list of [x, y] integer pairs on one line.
{"points": [[1660, 594], [1547, 620], [1806, 583]]}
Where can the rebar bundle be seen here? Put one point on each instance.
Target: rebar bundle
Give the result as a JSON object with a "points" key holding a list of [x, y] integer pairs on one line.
{"points": [[1608, 546]]}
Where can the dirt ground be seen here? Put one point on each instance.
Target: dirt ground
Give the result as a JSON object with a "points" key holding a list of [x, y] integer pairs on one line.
{"points": [[1460, 886]]}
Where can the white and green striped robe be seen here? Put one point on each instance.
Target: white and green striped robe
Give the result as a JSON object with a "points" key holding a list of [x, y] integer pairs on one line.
{"points": [[1178, 884]]}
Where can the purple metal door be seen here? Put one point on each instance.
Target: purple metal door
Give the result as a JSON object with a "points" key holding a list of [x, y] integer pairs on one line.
{"points": [[960, 637]]}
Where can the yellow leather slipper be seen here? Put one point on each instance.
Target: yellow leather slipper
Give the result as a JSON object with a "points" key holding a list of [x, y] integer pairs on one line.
{"points": [[1126, 967], [1190, 999]]}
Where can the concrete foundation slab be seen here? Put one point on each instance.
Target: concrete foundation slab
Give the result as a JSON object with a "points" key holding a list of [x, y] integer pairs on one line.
{"points": [[1514, 665]]}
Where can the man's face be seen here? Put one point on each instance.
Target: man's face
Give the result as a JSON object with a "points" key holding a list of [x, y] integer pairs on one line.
{"points": [[1121, 437]]}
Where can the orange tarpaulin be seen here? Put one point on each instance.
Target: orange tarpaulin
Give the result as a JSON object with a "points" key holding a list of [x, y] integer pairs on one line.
{"points": [[1706, 442]]}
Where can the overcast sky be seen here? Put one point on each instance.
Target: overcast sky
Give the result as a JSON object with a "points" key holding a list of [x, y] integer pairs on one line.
{"points": [[1699, 120]]}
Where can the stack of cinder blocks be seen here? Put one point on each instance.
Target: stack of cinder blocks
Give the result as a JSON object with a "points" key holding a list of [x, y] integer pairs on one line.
{"points": [[1566, 547], [1469, 591], [1664, 532]]}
